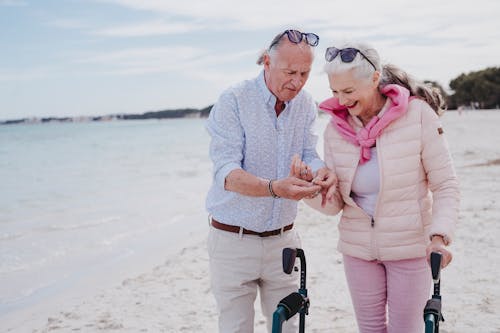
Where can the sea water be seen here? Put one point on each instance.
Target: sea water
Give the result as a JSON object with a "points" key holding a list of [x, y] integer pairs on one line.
{"points": [[85, 202]]}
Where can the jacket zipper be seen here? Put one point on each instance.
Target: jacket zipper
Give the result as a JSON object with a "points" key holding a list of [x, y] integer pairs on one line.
{"points": [[375, 250]]}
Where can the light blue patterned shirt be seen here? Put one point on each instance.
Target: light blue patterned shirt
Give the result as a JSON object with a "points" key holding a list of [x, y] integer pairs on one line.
{"points": [[246, 134]]}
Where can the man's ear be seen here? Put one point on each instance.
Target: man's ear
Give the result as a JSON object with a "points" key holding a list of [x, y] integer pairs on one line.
{"points": [[267, 61]]}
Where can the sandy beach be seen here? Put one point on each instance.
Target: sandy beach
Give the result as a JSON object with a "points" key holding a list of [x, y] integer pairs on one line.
{"points": [[175, 296]]}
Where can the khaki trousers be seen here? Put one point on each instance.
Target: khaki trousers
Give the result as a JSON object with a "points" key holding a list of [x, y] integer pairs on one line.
{"points": [[241, 265]]}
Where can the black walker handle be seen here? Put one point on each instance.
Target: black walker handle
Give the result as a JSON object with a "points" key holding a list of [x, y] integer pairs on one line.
{"points": [[432, 310], [281, 315]]}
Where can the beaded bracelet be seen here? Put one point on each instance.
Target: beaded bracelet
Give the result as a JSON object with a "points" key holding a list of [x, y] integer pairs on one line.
{"points": [[270, 187]]}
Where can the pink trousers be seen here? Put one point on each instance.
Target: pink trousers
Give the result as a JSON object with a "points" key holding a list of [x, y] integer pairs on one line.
{"points": [[389, 296]]}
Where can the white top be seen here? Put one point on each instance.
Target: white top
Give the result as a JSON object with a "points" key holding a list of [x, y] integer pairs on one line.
{"points": [[366, 184]]}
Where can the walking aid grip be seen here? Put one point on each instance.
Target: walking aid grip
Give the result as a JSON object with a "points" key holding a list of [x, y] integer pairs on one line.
{"points": [[432, 310], [289, 256], [436, 266]]}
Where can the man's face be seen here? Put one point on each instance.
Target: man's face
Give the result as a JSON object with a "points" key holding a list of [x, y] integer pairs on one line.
{"points": [[287, 70]]}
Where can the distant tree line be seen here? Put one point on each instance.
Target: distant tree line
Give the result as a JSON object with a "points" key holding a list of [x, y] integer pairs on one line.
{"points": [[480, 89], [165, 114]]}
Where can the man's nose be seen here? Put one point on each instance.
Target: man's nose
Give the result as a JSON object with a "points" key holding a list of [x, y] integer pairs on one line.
{"points": [[297, 81]]}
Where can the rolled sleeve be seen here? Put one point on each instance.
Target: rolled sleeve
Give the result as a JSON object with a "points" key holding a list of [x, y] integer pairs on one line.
{"points": [[220, 176], [227, 138]]}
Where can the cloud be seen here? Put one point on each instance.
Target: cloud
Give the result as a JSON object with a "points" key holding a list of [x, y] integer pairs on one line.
{"points": [[68, 23], [220, 15], [449, 22], [150, 28], [140, 60], [176, 59]]}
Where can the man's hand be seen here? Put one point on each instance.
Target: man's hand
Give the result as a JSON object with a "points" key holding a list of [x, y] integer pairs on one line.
{"points": [[299, 169], [294, 188], [325, 178]]}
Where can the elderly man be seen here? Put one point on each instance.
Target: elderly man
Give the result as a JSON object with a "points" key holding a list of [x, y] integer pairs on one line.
{"points": [[258, 127]]}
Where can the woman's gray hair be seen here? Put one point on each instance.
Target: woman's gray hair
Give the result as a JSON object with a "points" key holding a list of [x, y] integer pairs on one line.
{"points": [[361, 67], [390, 74]]}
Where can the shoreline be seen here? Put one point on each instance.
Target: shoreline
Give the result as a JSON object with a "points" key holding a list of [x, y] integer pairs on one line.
{"points": [[163, 115]]}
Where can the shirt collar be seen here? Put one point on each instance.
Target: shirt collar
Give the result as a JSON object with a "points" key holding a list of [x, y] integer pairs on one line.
{"points": [[269, 98]]}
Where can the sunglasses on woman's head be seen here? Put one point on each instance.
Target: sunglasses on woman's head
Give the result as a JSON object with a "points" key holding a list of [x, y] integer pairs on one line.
{"points": [[296, 37], [346, 55]]}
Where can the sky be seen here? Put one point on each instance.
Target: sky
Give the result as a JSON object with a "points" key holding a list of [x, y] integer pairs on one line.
{"points": [[103, 57]]}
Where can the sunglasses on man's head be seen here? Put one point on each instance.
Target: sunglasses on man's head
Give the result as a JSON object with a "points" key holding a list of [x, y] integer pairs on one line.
{"points": [[296, 37], [346, 55]]}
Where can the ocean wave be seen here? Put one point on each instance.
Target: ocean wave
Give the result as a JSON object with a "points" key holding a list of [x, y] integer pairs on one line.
{"points": [[9, 236], [82, 225]]}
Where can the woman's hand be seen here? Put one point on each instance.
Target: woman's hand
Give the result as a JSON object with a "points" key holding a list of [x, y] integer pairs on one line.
{"points": [[324, 177], [327, 179], [438, 245]]}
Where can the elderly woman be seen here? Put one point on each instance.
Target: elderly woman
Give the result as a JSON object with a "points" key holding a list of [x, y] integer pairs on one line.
{"points": [[397, 187]]}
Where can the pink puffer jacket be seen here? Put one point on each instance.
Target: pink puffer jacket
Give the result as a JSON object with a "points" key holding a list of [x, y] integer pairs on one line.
{"points": [[419, 192]]}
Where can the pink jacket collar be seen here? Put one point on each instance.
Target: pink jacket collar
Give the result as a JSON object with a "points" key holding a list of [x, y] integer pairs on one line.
{"points": [[396, 106]]}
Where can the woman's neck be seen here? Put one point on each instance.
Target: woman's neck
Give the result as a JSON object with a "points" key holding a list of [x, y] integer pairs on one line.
{"points": [[378, 104]]}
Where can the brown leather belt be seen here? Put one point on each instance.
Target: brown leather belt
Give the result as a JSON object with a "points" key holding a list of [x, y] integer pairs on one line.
{"points": [[233, 228]]}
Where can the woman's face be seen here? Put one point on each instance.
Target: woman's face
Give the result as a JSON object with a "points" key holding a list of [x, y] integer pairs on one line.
{"points": [[358, 95]]}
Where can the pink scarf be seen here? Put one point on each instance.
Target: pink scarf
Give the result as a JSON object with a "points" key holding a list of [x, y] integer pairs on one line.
{"points": [[366, 137]]}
